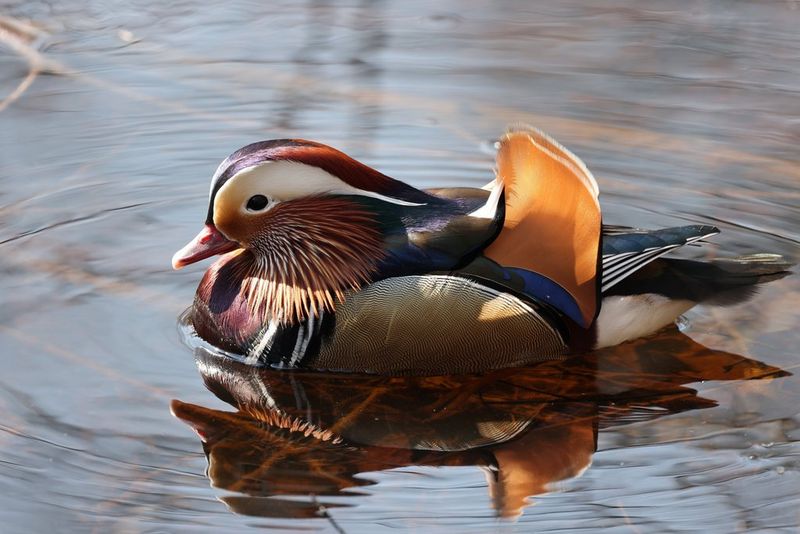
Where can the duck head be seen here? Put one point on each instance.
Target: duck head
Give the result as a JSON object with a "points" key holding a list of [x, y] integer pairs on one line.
{"points": [[300, 223]]}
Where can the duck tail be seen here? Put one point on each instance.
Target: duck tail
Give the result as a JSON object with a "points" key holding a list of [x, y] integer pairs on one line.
{"points": [[736, 280], [721, 282]]}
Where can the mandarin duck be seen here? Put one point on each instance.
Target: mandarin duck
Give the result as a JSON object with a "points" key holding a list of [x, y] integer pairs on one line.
{"points": [[328, 264]]}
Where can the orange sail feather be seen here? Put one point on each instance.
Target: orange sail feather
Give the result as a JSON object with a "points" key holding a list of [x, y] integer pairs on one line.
{"points": [[553, 222]]}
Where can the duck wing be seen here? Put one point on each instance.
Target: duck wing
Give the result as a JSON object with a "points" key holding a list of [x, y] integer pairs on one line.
{"points": [[720, 281], [625, 251], [447, 231], [552, 226]]}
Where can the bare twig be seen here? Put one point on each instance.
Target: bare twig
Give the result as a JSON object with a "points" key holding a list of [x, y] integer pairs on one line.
{"points": [[323, 511], [23, 39]]}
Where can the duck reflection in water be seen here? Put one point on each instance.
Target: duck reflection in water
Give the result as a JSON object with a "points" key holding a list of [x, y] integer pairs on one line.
{"points": [[299, 438]]}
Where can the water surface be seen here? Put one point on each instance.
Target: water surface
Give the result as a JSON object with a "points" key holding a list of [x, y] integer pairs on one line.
{"points": [[115, 116]]}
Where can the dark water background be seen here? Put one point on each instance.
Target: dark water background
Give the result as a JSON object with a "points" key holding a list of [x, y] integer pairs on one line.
{"points": [[115, 115]]}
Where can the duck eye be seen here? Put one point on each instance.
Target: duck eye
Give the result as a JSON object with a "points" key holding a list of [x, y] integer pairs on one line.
{"points": [[257, 203]]}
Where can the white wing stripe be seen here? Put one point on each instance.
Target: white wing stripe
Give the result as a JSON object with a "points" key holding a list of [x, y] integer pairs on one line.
{"points": [[620, 274], [615, 270], [636, 260]]}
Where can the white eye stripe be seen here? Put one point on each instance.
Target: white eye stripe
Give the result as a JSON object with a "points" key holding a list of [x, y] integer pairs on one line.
{"points": [[289, 179], [285, 180]]}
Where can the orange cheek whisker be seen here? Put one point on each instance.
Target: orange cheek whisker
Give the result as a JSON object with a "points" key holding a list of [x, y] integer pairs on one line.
{"points": [[307, 254]]}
